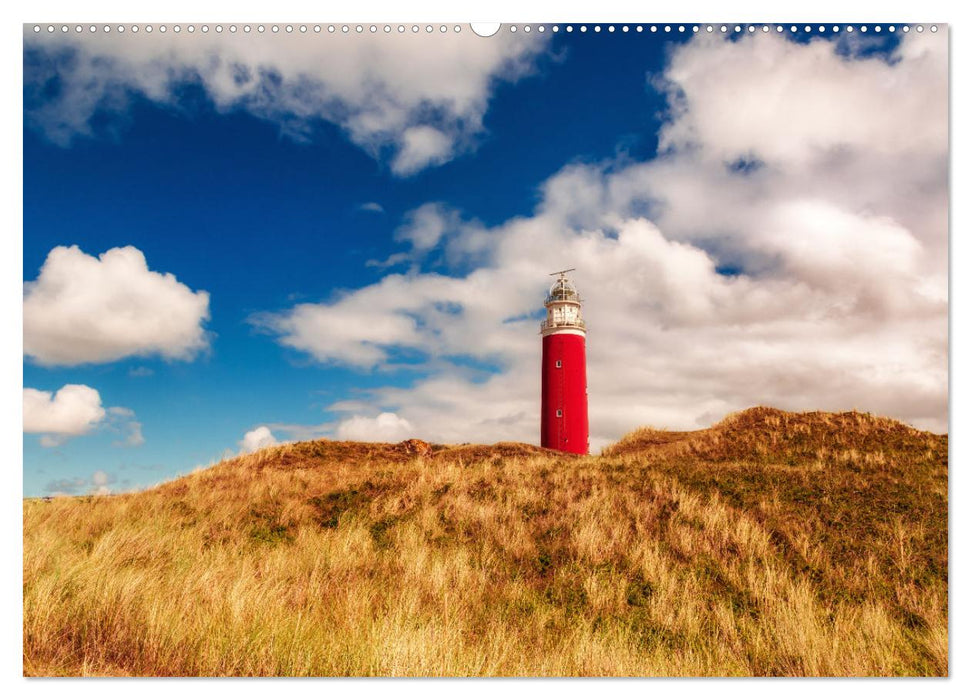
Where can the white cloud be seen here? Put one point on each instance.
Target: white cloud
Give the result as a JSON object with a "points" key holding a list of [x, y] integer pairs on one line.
{"points": [[421, 146], [256, 439], [374, 207], [425, 226], [74, 410], [123, 420], [390, 94], [390, 261], [85, 309], [435, 225], [385, 427], [799, 86], [810, 274]]}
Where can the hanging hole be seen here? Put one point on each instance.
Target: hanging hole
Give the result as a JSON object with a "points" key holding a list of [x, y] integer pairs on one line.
{"points": [[485, 29]]}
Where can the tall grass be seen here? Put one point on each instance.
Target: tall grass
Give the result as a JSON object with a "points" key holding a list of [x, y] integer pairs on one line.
{"points": [[702, 554]]}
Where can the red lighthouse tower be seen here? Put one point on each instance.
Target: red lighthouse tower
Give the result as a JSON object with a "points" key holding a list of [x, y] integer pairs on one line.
{"points": [[564, 407]]}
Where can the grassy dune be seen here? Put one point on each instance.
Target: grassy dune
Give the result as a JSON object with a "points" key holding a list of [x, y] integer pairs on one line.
{"points": [[770, 544]]}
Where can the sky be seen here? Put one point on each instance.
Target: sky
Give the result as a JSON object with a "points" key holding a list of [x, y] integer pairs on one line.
{"points": [[233, 240]]}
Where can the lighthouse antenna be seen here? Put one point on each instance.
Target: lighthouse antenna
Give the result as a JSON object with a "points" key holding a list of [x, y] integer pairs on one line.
{"points": [[562, 273]]}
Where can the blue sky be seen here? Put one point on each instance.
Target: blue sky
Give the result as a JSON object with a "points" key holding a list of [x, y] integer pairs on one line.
{"points": [[287, 210]]}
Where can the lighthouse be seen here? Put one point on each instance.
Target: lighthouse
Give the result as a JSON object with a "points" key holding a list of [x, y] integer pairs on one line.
{"points": [[564, 394]]}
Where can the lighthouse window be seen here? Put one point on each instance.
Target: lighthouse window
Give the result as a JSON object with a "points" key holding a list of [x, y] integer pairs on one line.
{"points": [[559, 363], [559, 413]]}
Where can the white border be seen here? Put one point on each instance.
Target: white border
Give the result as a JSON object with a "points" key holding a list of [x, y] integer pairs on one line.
{"points": [[603, 11]]}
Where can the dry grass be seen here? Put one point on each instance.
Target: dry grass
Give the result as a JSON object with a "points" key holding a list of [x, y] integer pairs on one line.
{"points": [[770, 544]]}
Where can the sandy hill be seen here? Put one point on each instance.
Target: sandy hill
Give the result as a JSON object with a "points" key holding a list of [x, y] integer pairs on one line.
{"points": [[772, 543]]}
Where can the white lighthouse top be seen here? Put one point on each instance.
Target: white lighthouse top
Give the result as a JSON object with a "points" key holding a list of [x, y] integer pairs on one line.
{"points": [[563, 290], [563, 313]]}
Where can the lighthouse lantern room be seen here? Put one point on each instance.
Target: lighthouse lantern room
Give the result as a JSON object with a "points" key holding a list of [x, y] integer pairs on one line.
{"points": [[564, 423]]}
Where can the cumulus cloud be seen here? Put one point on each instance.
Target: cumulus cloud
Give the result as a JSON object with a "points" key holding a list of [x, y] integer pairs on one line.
{"points": [[76, 409], [424, 227], [385, 427], [767, 256], [799, 84], [421, 146], [84, 309], [391, 95], [257, 439]]}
